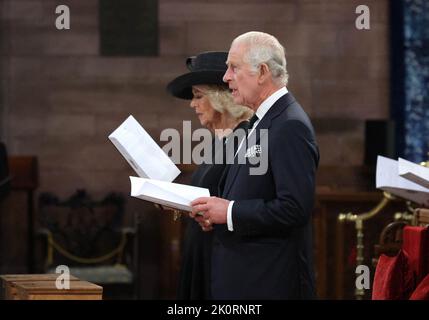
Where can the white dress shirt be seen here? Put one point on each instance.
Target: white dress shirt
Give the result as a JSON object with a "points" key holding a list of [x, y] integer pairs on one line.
{"points": [[260, 112]]}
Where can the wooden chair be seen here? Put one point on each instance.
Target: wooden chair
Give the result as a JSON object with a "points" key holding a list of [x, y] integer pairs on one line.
{"points": [[90, 238], [391, 237], [422, 216], [390, 240]]}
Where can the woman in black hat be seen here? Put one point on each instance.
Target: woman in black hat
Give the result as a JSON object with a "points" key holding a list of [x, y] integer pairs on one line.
{"points": [[212, 101]]}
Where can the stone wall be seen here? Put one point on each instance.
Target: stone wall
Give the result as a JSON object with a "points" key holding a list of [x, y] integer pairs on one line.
{"points": [[61, 99]]}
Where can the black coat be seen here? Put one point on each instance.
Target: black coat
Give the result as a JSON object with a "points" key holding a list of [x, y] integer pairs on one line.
{"points": [[194, 276], [269, 253]]}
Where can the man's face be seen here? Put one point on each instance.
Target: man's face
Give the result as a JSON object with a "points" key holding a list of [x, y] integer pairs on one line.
{"points": [[242, 80]]}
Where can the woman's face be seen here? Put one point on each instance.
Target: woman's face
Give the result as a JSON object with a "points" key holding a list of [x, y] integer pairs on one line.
{"points": [[203, 108]]}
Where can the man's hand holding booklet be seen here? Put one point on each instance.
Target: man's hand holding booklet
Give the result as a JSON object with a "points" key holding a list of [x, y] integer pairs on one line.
{"points": [[154, 167]]}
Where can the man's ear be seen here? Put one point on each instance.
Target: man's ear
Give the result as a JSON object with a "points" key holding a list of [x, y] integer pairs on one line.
{"points": [[264, 73]]}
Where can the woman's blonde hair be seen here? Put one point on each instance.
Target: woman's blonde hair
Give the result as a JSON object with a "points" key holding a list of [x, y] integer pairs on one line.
{"points": [[222, 101]]}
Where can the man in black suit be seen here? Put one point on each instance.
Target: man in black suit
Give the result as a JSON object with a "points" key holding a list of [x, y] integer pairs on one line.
{"points": [[262, 245]]}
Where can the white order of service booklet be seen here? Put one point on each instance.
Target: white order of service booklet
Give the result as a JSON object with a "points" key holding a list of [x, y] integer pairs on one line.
{"points": [[142, 153], [173, 195], [154, 167], [414, 172], [399, 178]]}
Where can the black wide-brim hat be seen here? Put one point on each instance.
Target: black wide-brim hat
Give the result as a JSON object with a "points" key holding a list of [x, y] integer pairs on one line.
{"points": [[207, 68]]}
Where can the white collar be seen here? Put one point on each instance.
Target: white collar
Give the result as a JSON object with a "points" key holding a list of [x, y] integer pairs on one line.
{"points": [[268, 103]]}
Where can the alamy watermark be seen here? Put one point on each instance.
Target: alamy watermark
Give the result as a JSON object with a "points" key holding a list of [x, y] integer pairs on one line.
{"points": [[63, 280], [239, 147], [62, 22], [363, 20], [363, 279]]}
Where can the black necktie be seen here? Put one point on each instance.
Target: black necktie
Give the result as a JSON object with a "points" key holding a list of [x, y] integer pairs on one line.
{"points": [[245, 126], [252, 121]]}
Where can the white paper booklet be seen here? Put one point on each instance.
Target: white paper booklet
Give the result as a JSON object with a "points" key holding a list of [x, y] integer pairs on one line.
{"points": [[414, 172], [142, 152], [388, 179], [174, 195]]}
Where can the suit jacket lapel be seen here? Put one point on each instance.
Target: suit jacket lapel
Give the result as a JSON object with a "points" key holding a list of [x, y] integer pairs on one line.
{"points": [[242, 125], [231, 170]]}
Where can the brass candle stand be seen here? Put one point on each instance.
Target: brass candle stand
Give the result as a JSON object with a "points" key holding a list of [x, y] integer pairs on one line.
{"points": [[358, 220]]}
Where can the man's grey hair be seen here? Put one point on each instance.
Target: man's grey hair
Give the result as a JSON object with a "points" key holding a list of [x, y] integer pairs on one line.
{"points": [[265, 48]]}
